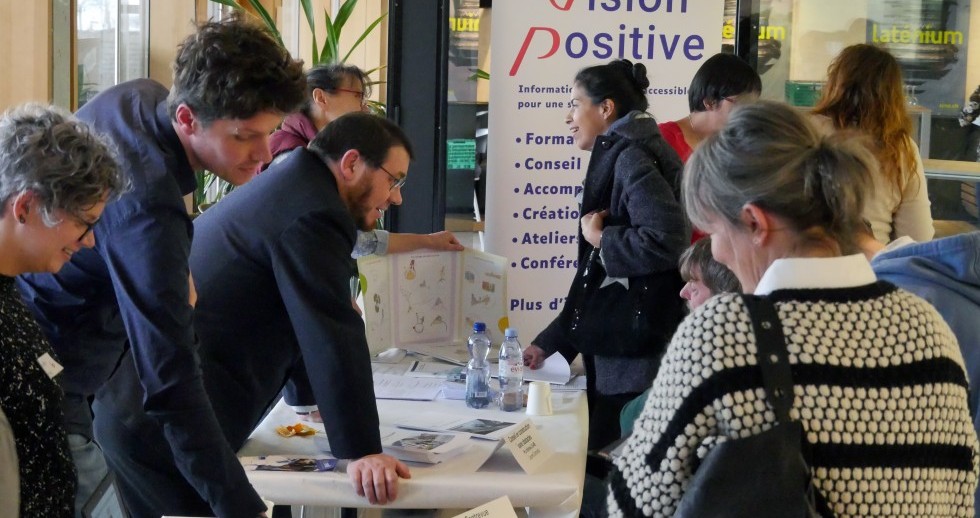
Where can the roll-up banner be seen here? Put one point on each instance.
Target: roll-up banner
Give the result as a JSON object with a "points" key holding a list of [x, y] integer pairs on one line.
{"points": [[535, 172]]}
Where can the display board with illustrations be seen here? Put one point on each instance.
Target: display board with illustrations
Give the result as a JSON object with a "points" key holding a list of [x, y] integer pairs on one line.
{"points": [[430, 297]]}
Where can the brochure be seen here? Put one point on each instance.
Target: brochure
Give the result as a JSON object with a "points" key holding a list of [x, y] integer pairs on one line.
{"points": [[488, 429], [428, 298], [391, 386], [438, 370], [315, 464], [425, 447]]}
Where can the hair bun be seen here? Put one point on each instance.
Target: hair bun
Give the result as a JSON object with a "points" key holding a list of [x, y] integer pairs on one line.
{"points": [[640, 76], [636, 72]]}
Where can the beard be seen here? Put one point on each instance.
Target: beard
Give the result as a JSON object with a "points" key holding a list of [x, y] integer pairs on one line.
{"points": [[359, 206]]}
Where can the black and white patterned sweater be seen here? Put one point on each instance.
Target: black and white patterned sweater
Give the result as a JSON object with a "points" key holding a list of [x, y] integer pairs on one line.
{"points": [[880, 389]]}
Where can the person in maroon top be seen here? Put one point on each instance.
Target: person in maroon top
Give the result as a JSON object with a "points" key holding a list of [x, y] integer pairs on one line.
{"points": [[722, 82]]}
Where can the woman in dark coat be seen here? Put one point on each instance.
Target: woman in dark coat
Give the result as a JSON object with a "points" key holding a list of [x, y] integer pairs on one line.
{"points": [[633, 220]]}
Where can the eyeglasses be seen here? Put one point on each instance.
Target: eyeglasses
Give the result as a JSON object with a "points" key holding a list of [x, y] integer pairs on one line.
{"points": [[358, 94], [89, 226], [396, 181]]}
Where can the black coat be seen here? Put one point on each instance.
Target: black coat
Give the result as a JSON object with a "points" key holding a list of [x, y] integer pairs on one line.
{"points": [[635, 174]]}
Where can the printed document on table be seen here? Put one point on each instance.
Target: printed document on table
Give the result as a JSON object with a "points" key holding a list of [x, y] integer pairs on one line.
{"points": [[428, 298], [478, 428], [438, 370], [422, 446], [390, 386]]}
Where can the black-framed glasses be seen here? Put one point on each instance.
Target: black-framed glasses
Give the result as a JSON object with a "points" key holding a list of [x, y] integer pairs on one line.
{"points": [[89, 226], [396, 181]]}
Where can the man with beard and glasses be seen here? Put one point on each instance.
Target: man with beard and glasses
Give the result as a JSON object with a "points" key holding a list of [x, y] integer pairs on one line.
{"points": [[271, 268]]}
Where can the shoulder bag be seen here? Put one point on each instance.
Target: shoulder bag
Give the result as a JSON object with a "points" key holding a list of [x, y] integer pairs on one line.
{"points": [[765, 475], [614, 320]]}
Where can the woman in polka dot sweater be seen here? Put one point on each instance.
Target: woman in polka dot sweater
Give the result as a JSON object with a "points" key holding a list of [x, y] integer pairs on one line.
{"points": [[879, 382]]}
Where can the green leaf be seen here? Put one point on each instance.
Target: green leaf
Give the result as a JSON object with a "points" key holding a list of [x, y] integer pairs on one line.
{"points": [[479, 74], [308, 12], [373, 70], [330, 52], [377, 108], [343, 14], [363, 36], [229, 3], [267, 19]]}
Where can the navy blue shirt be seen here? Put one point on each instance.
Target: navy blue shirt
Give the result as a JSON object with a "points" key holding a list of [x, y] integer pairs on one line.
{"points": [[131, 291]]}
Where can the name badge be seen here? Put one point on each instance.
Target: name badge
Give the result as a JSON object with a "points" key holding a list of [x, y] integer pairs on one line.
{"points": [[50, 366]]}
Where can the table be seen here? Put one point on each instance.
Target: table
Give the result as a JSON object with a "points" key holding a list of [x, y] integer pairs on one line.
{"points": [[554, 491], [952, 170]]}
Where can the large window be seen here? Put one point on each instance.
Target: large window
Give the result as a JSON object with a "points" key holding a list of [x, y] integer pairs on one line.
{"points": [[111, 44], [791, 43]]}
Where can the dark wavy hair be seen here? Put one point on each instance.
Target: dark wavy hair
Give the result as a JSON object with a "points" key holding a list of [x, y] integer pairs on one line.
{"points": [[721, 76], [370, 135], [714, 275], [235, 69], [331, 77], [621, 81], [45, 150]]}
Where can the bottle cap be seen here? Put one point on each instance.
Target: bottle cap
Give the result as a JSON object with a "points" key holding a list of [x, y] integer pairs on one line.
{"points": [[479, 327], [510, 332]]}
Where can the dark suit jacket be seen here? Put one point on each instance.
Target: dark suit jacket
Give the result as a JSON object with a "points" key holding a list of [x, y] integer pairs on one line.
{"points": [[271, 267]]}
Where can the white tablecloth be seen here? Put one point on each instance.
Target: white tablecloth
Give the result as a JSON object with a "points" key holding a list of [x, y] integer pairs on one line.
{"points": [[554, 491]]}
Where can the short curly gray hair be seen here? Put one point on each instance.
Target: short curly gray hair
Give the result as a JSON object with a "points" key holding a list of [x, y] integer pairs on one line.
{"points": [[43, 149]]}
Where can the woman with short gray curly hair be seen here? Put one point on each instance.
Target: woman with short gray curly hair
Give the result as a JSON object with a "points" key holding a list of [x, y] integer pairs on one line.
{"points": [[878, 383], [56, 176]]}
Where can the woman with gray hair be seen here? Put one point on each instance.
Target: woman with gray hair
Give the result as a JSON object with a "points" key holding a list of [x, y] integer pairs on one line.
{"points": [[55, 179], [878, 382]]}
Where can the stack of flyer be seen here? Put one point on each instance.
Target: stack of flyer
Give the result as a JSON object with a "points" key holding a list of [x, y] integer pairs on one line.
{"points": [[422, 446]]}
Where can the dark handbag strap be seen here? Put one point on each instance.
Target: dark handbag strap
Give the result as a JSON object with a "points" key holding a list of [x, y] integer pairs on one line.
{"points": [[777, 378], [771, 355]]}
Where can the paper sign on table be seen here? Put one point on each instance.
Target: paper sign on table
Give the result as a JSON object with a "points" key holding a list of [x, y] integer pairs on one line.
{"points": [[431, 297], [528, 446], [499, 508]]}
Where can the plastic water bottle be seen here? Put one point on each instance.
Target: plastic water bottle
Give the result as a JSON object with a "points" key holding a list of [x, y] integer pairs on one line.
{"points": [[478, 369], [511, 372]]}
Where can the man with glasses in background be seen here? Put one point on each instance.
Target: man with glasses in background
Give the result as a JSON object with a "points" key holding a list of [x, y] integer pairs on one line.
{"points": [[119, 315], [271, 268]]}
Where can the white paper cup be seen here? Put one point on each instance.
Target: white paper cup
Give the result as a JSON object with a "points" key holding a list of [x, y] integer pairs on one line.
{"points": [[539, 398]]}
